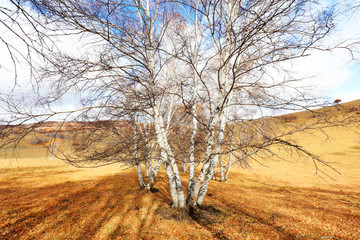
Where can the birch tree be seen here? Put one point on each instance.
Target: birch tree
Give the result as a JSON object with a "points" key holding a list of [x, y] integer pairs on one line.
{"points": [[145, 58], [247, 39]]}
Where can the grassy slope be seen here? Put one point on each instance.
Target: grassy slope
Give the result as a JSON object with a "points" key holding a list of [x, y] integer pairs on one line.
{"points": [[42, 199], [304, 115], [339, 146]]}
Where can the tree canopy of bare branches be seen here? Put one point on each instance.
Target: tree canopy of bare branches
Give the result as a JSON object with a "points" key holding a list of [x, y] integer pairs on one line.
{"points": [[163, 83]]}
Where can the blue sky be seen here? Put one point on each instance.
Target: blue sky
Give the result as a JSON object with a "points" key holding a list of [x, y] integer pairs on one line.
{"points": [[336, 74], [350, 89], [332, 73]]}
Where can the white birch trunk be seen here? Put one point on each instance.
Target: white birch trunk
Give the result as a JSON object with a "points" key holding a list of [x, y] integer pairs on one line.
{"points": [[222, 177], [228, 168], [225, 99], [208, 165], [140, 176], [170, 164], [155, 158], [194, 186], [137, 161], [210, 172], [217, 156], [149, 161], [192, 196], [153, 174], [230, 154], [192, 152], [172, 183]]}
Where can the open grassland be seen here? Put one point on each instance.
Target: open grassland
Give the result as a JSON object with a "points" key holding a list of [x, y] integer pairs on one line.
{"points": [[46, 199], [54, 203]]}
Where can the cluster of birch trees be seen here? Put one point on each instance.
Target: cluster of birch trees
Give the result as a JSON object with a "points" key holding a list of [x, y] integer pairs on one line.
{"points": [[192, 79]]}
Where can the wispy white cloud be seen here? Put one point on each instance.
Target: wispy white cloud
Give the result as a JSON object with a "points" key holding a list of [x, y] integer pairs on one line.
{"points": [[329, 71]]}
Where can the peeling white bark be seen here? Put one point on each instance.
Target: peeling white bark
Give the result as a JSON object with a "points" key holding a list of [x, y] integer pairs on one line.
{"points": [[207, 172], [137, 161], [169, 161], [192, 196], [192, 152], [140, 176]]}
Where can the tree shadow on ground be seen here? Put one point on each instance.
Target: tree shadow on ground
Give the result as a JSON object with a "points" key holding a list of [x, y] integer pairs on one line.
{"points": [[108, 207], [113, 207], [255, 208]]}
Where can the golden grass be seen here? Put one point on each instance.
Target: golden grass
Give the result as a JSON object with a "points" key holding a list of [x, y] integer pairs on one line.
{"points": [[340, 147], [249, 206], [43, 199], [110, 207], [331, 110]]}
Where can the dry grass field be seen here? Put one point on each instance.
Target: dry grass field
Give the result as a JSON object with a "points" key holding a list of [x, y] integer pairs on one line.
{"points": [[43, 199]]}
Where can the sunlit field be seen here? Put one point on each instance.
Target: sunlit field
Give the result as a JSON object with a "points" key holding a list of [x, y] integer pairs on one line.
{"points": [[46, 199]]}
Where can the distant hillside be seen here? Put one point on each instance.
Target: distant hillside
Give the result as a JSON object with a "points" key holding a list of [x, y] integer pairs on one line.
{"points": [[334, 110], [54, 126]]}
